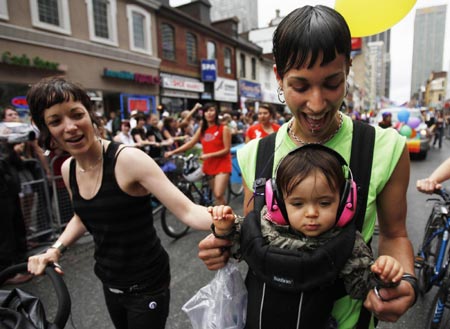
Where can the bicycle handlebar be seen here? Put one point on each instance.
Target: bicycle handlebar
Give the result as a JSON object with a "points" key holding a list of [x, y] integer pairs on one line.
{"points": [[62, 293]]}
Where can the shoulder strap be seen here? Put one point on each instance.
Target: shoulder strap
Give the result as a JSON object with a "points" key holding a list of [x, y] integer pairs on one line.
{"points": [[363, 141], [264, 157], [264, 165]]}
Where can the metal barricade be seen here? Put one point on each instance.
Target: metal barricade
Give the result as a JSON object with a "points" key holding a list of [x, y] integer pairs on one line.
{"points": [[61, 203], [35, 201]]}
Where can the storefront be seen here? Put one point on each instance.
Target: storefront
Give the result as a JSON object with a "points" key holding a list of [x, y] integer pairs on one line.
{"points": [[179, 93], [108, 81], [226, 94], [250, 95]]}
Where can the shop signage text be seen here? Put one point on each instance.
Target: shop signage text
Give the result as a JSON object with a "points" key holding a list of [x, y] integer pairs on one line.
{"points": [[138, 77], [36, 62], [226, 90], [250, 89], [209, 70], [180, 83]]}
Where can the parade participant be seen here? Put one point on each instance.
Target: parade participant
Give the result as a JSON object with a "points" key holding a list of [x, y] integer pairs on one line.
{"points": [[311, 47], [113, 203], [216, 156]]}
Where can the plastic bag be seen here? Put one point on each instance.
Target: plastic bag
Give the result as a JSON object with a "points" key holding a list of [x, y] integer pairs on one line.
{"points": [[221, 304]]}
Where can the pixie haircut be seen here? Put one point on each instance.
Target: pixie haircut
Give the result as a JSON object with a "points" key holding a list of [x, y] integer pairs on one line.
{"points": [[309, 31], [51, 91], [295, 167]]}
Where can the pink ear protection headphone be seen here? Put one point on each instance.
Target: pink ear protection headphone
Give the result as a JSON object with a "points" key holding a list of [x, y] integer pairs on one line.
{"points": [[276, 210]]}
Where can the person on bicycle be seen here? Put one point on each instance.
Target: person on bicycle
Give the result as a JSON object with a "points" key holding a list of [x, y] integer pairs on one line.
{"points": [[303, 212], [434, 181], [112, 202], [216, 155]]}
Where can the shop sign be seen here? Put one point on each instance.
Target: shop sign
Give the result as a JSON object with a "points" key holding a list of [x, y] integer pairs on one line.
{"points": [[36, 62], [270, 96], [181, 83], [141, 103], [225, 90], [137, 77], [179, 94], [209, 70], [250, 89]]}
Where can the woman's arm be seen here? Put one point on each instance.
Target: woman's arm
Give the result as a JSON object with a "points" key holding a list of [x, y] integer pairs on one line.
{"points": [[147, 177], [73, 231], [435, 180], [394, 242], [186, 146]]}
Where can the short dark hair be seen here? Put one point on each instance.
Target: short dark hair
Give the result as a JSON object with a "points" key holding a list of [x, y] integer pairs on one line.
{"points": [[296, 166], [51, 91], [309, 31], [269, 108]]}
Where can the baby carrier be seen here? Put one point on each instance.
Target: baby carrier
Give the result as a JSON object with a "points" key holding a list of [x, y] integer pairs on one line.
{"points": [[290, 289]]}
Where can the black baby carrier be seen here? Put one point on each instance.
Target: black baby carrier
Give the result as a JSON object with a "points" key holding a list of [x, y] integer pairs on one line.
{"points": [[289, 289]]}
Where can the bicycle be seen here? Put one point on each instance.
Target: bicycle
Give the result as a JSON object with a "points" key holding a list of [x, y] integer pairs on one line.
{"points": [[432, 261]]}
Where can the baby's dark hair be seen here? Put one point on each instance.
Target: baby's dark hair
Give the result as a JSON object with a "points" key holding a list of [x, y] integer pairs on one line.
{"points": [[298, 165], [309, 31], [51, 91]]}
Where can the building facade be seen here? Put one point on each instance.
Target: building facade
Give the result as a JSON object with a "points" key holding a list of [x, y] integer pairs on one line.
{"points": [[428, 46], [110, 48]]}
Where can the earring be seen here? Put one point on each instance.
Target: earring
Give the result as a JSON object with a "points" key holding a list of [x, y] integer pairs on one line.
{"points": [[280, 95]]}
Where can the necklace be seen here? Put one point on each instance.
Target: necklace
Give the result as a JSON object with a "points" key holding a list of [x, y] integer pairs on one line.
{"points": [[323, 141], [95, 164]]}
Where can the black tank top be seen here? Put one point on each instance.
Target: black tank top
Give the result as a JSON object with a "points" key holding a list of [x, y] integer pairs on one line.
{"points": [[127, 249]]}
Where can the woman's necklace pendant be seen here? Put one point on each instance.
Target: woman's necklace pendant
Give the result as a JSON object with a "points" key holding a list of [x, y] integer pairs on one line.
{"points": [[323, 141]]}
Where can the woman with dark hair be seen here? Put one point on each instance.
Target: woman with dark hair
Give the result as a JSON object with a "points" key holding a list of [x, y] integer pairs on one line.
{"points": [[312, 47], [265, 125], [216, 141], [113, 203]]}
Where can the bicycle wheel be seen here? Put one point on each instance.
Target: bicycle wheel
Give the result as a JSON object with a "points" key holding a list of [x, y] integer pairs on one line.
{"points": [[430, 249], [171, 225], [439, 313]]}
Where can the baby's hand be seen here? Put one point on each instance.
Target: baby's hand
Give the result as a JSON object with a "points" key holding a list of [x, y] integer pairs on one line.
{"points": [[388, 269], [223, 218]]}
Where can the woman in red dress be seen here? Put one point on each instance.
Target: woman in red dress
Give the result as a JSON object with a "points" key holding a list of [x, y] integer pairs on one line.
{"points": [[216, 142], [265, 126]]}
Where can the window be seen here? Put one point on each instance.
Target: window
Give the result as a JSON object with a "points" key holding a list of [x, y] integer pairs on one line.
{"points": [[191, 48], [168, 42], [50, 15], [242, 68], [253, 68], [102, 21], [139, 29], [4, 9], [227, 60], [210, 50]]}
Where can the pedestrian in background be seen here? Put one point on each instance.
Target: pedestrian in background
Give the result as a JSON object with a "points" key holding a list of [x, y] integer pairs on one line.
{"points": [[216, 145]]}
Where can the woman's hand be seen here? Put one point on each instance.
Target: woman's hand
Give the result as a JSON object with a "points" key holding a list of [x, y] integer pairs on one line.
{"points": [[168, 154], [38, 263], [427, 185], [214, 252], [392, 303]]}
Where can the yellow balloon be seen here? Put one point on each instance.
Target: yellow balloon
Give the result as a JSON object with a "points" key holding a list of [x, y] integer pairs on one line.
{"points": [[369, 17]]}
